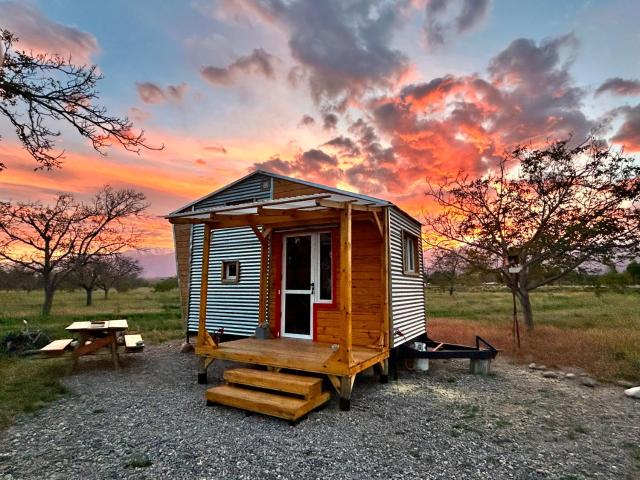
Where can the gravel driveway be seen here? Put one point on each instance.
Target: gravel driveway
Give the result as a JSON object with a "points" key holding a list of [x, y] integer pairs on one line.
{"points": [[150, 421]]}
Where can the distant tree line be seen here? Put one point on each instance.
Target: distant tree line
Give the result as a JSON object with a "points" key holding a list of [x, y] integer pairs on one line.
{"points": [[106, 273], [448, 273]]}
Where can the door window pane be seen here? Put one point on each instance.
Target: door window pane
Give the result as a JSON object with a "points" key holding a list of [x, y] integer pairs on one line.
{"points": [[326, 282], [298, 263], [297, 313]]}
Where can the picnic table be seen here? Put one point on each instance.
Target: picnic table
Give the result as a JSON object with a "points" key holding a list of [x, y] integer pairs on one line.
{"points": [[94, 336]]}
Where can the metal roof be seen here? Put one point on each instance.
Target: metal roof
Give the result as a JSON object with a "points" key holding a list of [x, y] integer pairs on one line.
{"points": [[359, 196], [307, 203]]}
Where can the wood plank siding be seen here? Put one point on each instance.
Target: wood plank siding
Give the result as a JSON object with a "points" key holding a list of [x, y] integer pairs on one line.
{"points": [[285, 188], [182, 244]]}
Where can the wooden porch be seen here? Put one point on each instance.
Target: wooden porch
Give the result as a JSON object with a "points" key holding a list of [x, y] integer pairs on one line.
{"points": [[295, 354], [348, 354]]}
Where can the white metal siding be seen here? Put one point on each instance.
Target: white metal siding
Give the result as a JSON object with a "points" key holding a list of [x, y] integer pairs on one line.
{"points": [[407, 291], [232, 306]]}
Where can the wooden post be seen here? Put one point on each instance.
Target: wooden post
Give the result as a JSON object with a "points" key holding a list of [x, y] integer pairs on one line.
{"points": [[204, 284], [384, 274], [346, 386], [345, 284]]}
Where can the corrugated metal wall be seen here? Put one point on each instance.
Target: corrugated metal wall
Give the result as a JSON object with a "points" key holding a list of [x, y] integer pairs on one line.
{"points": [[407, 292], [232, 306]]}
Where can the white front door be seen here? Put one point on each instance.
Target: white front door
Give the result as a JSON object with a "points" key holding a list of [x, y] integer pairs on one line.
{"points": [[306, 280]]}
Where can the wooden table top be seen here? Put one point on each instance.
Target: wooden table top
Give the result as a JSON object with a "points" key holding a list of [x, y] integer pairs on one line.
{"points": [[107, 325]]}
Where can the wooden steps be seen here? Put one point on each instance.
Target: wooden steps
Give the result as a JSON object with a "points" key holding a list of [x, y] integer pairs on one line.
{"points": [[281, 395], [304, 386]]}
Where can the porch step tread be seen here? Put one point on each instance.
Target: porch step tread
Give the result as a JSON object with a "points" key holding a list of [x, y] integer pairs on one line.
{"points": [[277, 381], [273, 404]]}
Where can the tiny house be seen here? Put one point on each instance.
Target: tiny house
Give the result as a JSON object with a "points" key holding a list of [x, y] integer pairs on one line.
{"points": [[303, 280]]}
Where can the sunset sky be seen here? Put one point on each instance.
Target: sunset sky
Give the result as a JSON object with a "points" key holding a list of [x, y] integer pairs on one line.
{"points": [[372, 96]]}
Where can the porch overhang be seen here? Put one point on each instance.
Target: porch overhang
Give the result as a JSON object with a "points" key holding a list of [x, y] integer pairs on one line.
{"points": [[274, 213]]}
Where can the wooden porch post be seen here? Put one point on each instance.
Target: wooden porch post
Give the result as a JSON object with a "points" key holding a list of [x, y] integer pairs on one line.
{"points": [[204, 284], [263, 237], [345, 283], [384, 273]]}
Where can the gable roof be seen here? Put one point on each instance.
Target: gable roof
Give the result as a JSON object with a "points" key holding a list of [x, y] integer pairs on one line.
{"points": [[359, 196]]}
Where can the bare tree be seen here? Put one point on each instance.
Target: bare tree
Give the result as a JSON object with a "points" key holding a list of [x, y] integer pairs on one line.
{"points": [[556, 208], [116, 270], [446, 267], [36, 89], [86, 274], [50, 240]]}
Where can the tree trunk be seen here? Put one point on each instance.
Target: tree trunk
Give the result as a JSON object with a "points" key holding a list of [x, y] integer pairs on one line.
{"points": [[89, 292], [451, 288], [106, 293], [525, 306], [49, 290]]}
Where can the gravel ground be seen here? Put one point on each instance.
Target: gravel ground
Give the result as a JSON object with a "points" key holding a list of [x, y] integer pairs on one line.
{"points": [[150, 421]]}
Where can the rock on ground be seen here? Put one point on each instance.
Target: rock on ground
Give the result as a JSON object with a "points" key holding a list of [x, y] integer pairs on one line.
{"points": [[150, 421]]}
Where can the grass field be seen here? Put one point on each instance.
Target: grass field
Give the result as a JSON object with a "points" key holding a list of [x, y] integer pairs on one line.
{"points": [[573, 328], [29, 382]]}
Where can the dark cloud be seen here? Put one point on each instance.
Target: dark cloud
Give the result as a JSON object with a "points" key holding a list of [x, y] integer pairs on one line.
{"points": [[629, 132], [150, 92], [307, 120], [258, 62], [329, 121], [619, 86], [313, 164], [439, 23], [36, 32], [215, 148], [345, 145], [343, 46]]}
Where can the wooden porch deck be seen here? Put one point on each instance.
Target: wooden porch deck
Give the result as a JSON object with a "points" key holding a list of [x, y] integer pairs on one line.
{"points": [[295, 354]]}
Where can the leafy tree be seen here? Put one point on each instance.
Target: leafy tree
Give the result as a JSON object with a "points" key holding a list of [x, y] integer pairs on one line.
{"points": [[18, 278], [558, 207], [38, 89], [633, 269], [166, 284], [53, 240]]}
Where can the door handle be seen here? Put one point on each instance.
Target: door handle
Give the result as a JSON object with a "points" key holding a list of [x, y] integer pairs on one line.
{"points": [[313, 288]]}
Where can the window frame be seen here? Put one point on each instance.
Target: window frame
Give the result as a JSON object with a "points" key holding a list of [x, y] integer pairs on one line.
{"points": [[223, 273], [416, 254]]}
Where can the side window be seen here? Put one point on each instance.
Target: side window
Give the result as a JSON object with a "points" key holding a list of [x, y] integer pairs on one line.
{"points": [[230, 271], [410, 253]]}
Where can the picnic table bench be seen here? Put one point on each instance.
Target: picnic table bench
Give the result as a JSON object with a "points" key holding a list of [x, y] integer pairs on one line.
{"points": [[94, 336]]}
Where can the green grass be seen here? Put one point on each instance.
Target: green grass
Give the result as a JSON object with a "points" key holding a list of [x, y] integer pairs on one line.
{"points": [[573, 327], [28, 383]]}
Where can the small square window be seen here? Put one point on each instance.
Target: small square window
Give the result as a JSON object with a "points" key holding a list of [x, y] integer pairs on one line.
{"points": [[410, 250], [230, 271], [265, 185]]}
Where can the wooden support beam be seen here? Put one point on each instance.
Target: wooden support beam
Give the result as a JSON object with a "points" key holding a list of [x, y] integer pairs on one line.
{"points": [[264, 258], [346, 387], [322, 202], [190, 221], [345, 296], [204, 284], [384, 278], [376, 219]]}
